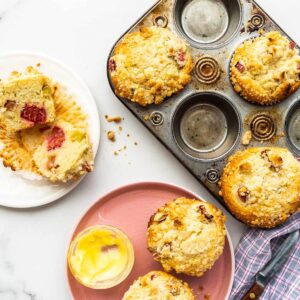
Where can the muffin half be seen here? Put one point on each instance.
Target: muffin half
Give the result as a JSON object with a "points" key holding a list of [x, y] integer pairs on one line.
{"points": [[158, 285], [187, 236], [60, 152], [25, 100], [150, 65], [265, 70], [261, 186]]}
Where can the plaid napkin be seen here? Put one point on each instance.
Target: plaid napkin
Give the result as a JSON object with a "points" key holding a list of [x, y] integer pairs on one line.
{"points": [[255, 250]]}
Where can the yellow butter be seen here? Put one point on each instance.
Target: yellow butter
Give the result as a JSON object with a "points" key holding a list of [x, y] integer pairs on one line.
{"points": [[100, 254]]}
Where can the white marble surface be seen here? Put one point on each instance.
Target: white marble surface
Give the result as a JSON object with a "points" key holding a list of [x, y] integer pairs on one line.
{"points": [[81, 33]]}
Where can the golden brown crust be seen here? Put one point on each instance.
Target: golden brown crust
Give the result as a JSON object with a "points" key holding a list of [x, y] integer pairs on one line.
{"points": [[187, 236], [265, 70], [158, 285], [261, 186], [150, 65]]}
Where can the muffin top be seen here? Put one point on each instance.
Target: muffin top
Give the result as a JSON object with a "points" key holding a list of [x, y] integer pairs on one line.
{"points": [[158, 285], [150, 65], [25, 100], [265, 70], [261, 186], [187, 236]]}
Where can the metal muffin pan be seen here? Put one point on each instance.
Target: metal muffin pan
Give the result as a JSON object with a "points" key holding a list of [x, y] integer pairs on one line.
{"points": [[205, 123]]}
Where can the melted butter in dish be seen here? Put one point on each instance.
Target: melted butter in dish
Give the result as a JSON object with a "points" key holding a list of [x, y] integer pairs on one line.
{"points": [[101, 257]]}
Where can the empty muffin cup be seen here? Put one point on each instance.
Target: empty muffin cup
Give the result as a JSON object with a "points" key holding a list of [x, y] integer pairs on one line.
{"points": [[208, 23], [292, 127], [206, 126]]}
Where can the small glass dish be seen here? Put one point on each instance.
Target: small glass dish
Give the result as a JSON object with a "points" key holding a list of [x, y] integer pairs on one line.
{"points": [[103, 242]]}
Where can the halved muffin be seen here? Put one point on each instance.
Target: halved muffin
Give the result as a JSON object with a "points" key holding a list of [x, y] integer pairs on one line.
{"points": [[265, 70], [26, 100], [187, 236], [158, 285], [60, 152], [261, 186], [150, 65]]}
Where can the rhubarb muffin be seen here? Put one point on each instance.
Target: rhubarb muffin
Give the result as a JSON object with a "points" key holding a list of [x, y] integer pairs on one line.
{"points": [[61, 152], [265, 70], [150, 65], [158, 285], [187, 236], [261, 186], [25, 100]]}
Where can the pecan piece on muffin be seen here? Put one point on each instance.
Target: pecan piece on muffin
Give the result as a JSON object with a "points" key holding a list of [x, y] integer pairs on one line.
{"points": [[267, 195], [187, 236], [265, 70]]}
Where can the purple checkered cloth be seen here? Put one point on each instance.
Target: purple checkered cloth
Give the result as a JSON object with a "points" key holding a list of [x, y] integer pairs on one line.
{"points": [[253, 253]]}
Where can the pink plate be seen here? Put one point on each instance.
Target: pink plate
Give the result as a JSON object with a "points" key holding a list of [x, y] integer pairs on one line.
{"points": [[129, 208]]}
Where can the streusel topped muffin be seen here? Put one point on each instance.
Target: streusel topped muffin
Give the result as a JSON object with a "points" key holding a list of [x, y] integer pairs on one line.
{"points": [[25, 100], [150, 65], [261, 186], [158, 285], [187, 236], [265, 70]]}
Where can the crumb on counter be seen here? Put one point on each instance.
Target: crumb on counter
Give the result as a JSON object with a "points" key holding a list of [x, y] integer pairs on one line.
{"points": [[111, 136], [116, 119], [128, 135], [135, 143], [146, 117], [38, 64], [116, 153], [120, 128], [247, 137]]}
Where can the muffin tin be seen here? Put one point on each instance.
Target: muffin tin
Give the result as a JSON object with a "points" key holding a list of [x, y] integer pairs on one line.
{"points": [[208, 120]]}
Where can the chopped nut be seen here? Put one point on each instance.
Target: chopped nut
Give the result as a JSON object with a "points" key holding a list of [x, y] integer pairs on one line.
{"points": [[116, 119], [275, 160], [245, 167], [10, 105], [203, 211], [161, 218], [243, 193], [247, 137], [111, 136], [177, 223]]}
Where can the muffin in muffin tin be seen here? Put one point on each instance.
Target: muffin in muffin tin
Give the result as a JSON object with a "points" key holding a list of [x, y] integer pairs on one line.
{"points": [[25, 100], [187, 236], [157, 285], [265, 70], [150, 65], [261, 186]]}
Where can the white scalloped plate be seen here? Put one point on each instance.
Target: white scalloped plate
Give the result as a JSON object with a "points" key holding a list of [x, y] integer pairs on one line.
{"points": [[15, 190]]}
